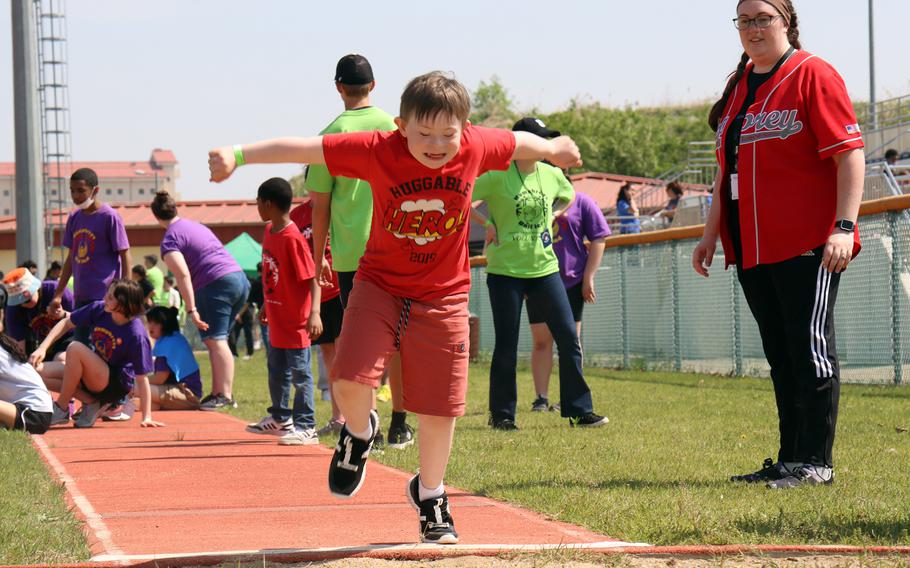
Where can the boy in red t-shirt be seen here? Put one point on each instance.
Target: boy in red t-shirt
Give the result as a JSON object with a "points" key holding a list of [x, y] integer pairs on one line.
{"points": [[292, 302], [412, 286]]}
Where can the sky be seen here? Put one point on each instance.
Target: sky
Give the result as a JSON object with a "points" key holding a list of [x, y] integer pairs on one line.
{"points": [[191, 75]]}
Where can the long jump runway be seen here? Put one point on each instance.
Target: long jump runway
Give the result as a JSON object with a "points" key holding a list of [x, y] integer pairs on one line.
{"points": [[204, 488]]}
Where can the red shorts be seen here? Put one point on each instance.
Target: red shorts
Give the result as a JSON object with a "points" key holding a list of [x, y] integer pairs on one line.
{"points": [[432, 338]]}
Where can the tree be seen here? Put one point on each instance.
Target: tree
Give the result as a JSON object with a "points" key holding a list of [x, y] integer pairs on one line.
{"points": [[297, 184], [492, 105]]}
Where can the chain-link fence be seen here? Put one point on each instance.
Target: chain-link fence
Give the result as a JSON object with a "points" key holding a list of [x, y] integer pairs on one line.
{"points": [[654, 312]]}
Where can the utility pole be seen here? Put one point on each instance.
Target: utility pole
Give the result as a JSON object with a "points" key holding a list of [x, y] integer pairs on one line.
{"points": [[872, 117], [29, 176]]}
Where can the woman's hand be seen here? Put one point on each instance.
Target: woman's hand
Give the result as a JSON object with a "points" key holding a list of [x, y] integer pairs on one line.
{"points": [[838, 251], [197, 321], [703, 255], [587, 290], [149, 423], [55, 309], [37, 357]]}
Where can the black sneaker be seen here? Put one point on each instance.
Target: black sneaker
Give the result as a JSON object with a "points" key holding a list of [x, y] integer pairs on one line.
{"points": [[349, 463], [207, 398], [804, 475], [378, 439], [769, 471], [217, 402], [400, 437], [540, 404], [506, 424], [588, 420], [436, 524]]}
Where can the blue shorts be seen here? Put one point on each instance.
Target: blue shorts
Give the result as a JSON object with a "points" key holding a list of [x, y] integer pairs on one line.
{"points": [[219, 303]]}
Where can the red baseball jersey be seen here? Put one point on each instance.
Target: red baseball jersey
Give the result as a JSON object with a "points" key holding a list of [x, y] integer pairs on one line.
{"points": [[801, 118]]}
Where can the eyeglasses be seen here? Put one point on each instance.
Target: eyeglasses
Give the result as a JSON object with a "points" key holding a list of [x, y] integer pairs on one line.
{"points": [[760, 22]]}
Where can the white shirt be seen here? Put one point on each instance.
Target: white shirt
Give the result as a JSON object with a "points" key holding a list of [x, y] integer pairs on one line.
{"points": [[21, 383]]}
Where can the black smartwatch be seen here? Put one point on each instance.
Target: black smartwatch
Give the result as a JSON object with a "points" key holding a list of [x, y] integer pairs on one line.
{"points": [[845, 225]]}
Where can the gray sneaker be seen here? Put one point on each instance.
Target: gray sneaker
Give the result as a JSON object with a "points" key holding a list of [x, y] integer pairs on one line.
{"points": [[804, 475], [90, 414], [306, 437], [331, 427], [60, 416]]}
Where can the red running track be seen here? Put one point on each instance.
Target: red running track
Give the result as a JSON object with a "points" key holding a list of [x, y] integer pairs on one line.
{"points": [[202, 487]]}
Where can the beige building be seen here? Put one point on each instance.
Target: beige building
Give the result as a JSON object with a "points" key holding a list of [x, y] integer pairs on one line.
{"points": [[121, 182]]}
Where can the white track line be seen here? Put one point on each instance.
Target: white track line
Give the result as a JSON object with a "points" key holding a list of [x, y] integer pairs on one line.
{"points": [[92, 518], [372, 548]]}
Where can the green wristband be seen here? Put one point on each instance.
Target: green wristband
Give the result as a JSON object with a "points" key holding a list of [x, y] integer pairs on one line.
{"points": [[238, 155], [488, 222]]}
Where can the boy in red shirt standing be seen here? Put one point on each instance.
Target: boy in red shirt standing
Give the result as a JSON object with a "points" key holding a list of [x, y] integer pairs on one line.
{"points": [[292, 302], [413, 280]]}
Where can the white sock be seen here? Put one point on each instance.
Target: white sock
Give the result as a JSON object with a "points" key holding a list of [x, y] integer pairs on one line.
{"points": [[365, 435], [425, 493]]}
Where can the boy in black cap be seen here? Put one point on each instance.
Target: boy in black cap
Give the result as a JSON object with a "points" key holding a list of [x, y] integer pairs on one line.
{"points": [[344, 207]]}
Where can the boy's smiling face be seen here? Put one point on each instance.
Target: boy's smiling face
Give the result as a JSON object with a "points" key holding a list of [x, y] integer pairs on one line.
{"points": [[433, 141]]}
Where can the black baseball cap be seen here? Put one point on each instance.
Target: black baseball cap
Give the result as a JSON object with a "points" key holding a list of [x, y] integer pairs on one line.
{"points": [[535, 126], [353, 69]]}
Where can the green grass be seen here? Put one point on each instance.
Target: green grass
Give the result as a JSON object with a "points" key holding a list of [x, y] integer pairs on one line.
{"points": [[35, 525], [658, 472]]}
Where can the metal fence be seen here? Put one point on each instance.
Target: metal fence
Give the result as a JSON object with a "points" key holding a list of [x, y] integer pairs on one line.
{"points": [[654, 312]]}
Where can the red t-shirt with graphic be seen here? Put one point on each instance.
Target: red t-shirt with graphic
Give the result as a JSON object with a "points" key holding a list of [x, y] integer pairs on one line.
{"points": [[287, 268], [302, 216], [418, 246]]}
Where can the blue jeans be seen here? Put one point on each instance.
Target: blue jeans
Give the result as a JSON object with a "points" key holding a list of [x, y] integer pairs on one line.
{"points": [[291, 367], [220, 301], [264, 333], [548, 296]]}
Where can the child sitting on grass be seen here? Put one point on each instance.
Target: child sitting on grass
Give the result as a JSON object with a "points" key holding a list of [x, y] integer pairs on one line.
{"points": [[176, 383], [25, 403], [118, 360]]}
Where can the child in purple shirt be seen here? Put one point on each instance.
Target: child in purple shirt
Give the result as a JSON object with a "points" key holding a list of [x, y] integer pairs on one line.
{"points": [[117, 360], [578, 263], [27, 319], [99, 250]]}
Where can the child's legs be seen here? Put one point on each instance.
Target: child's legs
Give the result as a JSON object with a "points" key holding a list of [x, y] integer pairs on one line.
{"points": [[302, 379], [436, 434], [322, 371], [7, 414], [279, 384], [328, 356], [541, 358], [395, 383], [83, 368]]}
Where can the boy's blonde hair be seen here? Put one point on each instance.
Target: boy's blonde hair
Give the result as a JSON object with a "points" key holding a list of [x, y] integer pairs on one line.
{"points": [[433, 93]]}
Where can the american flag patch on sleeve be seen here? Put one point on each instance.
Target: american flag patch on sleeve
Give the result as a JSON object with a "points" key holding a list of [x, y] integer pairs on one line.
{"points": [[853, 129]]}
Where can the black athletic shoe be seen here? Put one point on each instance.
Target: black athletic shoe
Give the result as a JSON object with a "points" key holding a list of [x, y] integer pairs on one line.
{"points": [[400, 437], [349, 463], [217, 402], [769, 471], [436, 524], [506, 424], [804, 475], [540, 404], [378, 440], [589, 420]]}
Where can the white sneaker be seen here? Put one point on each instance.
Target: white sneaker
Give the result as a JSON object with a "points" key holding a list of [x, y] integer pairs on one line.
{"points": [[121, 413], [246, 357], [270, 426], [90, 413], [306, 437], [59, 416]]}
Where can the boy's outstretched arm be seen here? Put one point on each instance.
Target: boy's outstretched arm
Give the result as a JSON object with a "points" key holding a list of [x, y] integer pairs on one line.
{"points": [[561, 152], [223, 161]]}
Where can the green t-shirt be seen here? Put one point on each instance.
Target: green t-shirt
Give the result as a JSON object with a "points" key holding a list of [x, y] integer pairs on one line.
{"points": [[352, 200], [521, 207], [156, 278]]}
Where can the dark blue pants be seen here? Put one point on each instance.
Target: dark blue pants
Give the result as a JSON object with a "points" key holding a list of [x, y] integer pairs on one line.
{"points": [[548, 295]]}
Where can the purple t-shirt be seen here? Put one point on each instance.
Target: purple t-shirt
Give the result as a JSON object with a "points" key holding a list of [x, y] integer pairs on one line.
{"points": [[205, 256], [583, 220], [193, 381], [95, 241], [22, 322], [124, 346]]}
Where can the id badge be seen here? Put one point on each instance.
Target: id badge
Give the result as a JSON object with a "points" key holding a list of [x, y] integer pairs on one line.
{"points": [[734, 187], [545, 238]]}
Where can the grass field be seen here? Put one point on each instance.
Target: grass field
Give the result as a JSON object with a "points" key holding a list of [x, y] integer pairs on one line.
{"points": [[657, 473], [35, 525]]}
